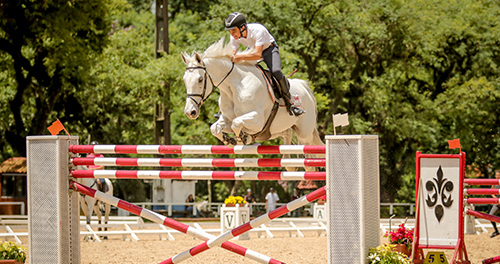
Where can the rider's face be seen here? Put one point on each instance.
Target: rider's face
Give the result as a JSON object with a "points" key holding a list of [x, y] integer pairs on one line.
{"points": [[235, 32]]}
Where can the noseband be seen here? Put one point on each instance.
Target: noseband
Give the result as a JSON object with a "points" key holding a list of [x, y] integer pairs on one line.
{"points": [[202, 95]]}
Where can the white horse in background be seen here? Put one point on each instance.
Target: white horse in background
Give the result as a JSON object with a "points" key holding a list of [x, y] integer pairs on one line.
{"points": [[245, 101], [90, 204]]}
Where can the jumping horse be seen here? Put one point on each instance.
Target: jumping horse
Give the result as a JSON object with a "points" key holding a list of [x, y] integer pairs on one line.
{"points": [[246, 100]]}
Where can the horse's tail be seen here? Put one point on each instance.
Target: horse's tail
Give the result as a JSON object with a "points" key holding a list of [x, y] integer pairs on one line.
{"points": [[316, 138], [310, 92]]}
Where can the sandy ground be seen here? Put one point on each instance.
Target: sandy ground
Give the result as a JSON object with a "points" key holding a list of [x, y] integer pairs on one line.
{"points": [[310, 249]]}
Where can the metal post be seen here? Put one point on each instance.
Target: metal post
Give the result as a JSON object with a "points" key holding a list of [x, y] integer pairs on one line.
{"points": [[53, 212]]}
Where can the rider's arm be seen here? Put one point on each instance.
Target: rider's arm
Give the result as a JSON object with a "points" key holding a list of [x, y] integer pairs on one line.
{"points": [[255, 55]]}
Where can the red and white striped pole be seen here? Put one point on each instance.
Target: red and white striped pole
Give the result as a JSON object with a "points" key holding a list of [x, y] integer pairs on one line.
{"points": [[190, 162], [247, 226], [160, 219], [492, 260], [483, 215], [482, 181], [482, 200], [481, 191], [202, 175], [198, 149]]}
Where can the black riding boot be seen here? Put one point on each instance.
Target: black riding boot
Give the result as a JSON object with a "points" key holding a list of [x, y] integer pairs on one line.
{"points": [[285, 92]]}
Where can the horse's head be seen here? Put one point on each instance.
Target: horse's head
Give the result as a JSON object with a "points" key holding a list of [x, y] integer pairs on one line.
{"points": [[198, 88]]}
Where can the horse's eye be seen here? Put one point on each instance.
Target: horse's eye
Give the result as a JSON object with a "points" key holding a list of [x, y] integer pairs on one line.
{"points": [[200, 79]]}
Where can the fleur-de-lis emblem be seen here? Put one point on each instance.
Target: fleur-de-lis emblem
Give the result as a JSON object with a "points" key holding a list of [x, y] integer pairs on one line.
{"points": [[439, 189]]}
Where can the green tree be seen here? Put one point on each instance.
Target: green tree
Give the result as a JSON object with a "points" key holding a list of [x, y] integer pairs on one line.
{"points": [[47, 48]]}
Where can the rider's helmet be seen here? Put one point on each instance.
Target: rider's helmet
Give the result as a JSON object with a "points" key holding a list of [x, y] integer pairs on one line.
{"points": [[235, 19], [94, 143]]}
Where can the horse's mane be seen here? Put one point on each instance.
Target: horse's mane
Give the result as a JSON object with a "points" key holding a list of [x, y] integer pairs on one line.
{"points": [[221, 50]]}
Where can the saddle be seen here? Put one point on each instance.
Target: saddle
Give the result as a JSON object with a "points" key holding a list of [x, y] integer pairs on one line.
{"points": [[274, 88], [102, 185], [274, 92]]}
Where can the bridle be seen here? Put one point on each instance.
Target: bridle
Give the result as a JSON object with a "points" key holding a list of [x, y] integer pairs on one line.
{"points": [[202, 95]]}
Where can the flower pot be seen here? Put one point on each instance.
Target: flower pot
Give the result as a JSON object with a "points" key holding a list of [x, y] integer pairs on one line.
{"points": [[10, 261], [403, 249], [230, 205]]}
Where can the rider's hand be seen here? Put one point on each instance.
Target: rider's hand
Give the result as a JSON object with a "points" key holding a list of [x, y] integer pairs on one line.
{"points": [[236, 58]]}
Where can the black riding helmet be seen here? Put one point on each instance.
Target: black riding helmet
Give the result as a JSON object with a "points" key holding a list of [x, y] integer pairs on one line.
{"points": [[236, 19]]}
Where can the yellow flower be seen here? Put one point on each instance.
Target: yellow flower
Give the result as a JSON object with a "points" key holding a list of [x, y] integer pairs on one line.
{"points": [[234, 200]]}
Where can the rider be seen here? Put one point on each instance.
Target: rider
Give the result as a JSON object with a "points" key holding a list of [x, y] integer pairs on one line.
{"points": [[256, 36]]}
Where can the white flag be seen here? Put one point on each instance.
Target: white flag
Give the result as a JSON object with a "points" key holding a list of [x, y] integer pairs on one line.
{"points": [[341, 120]]}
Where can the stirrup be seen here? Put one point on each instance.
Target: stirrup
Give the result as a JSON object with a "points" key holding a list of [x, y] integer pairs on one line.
{"points": [[297, 111]]}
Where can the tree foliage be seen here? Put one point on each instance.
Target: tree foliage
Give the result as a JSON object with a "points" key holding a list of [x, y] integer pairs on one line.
{"points": [[47, 48], [417, 73]]}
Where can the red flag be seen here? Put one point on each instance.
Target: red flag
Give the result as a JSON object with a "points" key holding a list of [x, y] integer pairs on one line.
{"points": [[454, 143], [56, 127]]}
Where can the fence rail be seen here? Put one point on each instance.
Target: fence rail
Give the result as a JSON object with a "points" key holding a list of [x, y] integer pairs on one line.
{"points": [[132, 227]]}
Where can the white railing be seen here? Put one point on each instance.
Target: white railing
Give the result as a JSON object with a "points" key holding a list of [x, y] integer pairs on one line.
{"points": [[133, 226], [16, 203], [211, 207], [392, 205]]}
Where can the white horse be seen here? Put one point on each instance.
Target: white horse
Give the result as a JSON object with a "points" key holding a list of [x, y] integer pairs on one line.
{"points": [[90, 204], [245, 101]]}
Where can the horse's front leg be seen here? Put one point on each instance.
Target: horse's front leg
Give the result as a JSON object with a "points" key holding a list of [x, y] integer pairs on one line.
{"points": [[107, 210], [88, 213], [252, 122], [98, 214], [220, 129]]}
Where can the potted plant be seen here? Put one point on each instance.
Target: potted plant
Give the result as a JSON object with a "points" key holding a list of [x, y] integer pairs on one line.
{"points": [[11, 253], [385, 254], [401, 238], [233, 200]]}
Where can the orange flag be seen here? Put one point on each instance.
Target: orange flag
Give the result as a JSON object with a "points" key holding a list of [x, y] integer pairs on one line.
{"points": [[56, 127], [454, 143]]}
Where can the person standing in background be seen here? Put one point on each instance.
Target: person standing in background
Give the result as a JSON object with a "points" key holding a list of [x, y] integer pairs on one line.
{"points": [[249, 197], [271, 200]]}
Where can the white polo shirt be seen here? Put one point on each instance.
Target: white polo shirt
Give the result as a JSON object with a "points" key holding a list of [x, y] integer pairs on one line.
{"points": [[257, 35]]}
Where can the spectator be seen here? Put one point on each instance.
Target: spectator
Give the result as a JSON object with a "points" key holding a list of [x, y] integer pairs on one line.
{"points": [[249, 197], [189, 207], [271, 199]]}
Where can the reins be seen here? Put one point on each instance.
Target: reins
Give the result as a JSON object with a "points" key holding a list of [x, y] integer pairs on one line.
{"points": [[202, 95]]}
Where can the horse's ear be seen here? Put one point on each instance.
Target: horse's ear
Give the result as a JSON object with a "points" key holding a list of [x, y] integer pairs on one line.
{"points": [[184, 58], [197, 57]]}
